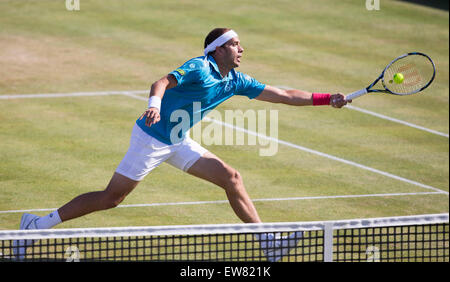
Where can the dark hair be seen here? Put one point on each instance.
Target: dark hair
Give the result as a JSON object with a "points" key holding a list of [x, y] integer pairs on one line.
{"points": [[213, 35]]}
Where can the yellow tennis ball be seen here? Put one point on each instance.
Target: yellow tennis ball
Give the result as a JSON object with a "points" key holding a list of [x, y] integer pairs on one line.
{"points": [[398, 78]]}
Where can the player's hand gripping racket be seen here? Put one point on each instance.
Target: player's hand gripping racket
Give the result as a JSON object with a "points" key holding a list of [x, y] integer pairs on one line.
{"points": [[408, 74]]}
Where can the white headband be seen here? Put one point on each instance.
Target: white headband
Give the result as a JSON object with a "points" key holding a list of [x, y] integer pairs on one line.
{"points": [[220, 41]]}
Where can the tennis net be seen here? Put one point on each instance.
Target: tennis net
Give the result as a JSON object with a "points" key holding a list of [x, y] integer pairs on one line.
{"points": [[422, 238]]}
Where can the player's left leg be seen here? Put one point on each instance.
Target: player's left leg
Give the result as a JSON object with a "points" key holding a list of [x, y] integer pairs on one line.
{"points": [[196, 160], [211, 168]]}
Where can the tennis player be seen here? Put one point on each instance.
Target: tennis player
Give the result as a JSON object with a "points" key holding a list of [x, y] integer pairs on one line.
{"points": [[210, 79]]}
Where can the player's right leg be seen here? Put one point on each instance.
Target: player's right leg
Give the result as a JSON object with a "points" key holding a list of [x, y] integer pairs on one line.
{"points": [[118, 188], [144, 154]]}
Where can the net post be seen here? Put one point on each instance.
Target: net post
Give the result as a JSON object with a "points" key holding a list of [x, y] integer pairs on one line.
{"points": [[328, 242]]}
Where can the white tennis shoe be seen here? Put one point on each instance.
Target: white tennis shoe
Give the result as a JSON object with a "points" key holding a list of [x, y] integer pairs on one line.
{"points": [[28, 222], [276, 247]]}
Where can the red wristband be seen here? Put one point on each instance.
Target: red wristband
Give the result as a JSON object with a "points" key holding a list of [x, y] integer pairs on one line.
{"points": [[320, 99]]}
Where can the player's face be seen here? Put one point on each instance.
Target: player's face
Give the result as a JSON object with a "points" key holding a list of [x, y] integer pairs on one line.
{"points": [[233, 52]]}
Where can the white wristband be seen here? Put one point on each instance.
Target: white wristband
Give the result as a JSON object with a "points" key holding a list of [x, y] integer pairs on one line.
{"points": [[154, 102]]}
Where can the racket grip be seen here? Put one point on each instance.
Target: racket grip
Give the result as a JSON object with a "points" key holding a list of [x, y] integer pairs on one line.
{"points": [[356, 94]]}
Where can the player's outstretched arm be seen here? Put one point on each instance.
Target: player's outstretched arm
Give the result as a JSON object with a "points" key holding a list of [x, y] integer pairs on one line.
{"points": [[296, 97]]}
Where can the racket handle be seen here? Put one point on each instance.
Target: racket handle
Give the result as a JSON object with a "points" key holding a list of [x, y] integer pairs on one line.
{"points": [[356, 94]]}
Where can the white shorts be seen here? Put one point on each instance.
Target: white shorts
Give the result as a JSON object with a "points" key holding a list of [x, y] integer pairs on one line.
{"points": [[146, 153]]}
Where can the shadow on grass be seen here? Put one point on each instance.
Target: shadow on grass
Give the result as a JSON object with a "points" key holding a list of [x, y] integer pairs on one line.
{"points": [[438, 4]]}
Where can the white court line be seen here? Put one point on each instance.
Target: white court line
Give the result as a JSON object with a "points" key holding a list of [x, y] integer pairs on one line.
{"points": [[74, 94], [328, 156], [396, 120], [132, 94], [253, 200]]}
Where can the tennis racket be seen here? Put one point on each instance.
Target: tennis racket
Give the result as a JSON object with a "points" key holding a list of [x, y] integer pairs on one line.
{"points": [[416, 70]]}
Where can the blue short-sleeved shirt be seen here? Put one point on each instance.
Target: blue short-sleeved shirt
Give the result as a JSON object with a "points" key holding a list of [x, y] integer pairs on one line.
{"points": [[200, 88]]}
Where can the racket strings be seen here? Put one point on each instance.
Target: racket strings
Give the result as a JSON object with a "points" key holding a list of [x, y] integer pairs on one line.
{"points": [[417, 72]]}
